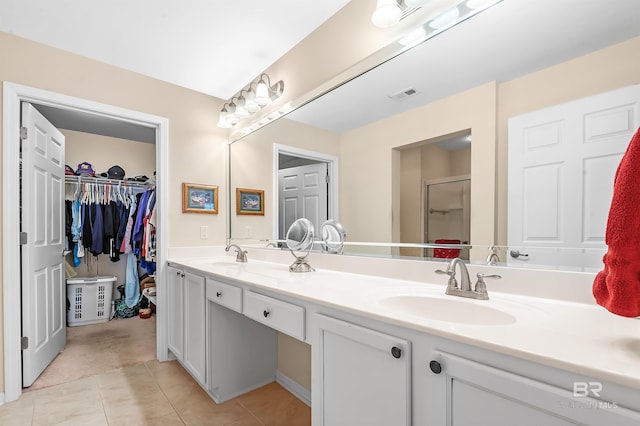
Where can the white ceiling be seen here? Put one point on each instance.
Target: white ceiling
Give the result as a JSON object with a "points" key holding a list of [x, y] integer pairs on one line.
{"points": [[511, 39], [211, 46]]}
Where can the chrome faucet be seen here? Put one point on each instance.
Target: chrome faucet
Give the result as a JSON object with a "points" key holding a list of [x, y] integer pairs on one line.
{"points": [[241, 254], [492, 258], [465, 290]]}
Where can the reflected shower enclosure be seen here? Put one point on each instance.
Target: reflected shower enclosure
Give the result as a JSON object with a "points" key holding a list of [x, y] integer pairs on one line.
{"points": [[447, 216]]}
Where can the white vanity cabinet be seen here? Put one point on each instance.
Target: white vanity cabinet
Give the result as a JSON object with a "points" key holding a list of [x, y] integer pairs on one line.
{"points": [[242, 354], [363, 377], [186, 319], [467, 392]]}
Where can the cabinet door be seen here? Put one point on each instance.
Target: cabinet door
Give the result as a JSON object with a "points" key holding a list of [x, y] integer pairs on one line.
{"points": [[194, 326], [175, 319], [470, 393], [364, 376]]}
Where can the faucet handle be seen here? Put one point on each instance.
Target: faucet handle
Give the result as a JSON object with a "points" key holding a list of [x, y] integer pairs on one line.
{"points": [[481, 287], [242, 256], [452, 284]]}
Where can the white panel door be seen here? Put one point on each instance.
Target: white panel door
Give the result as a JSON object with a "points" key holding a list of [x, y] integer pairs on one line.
{"points": [[302, 192], [562, 161], [43, 283], [175, 311]]}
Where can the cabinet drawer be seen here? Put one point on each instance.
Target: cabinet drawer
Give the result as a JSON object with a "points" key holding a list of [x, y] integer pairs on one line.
{"points": [[223, 294], [282, 316]]}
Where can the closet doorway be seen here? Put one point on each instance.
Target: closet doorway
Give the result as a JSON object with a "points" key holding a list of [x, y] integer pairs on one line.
{"points": [[73, 108]]}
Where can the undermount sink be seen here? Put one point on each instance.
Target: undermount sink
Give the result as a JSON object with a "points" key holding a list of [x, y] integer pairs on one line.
{"points": [[449, 309]]}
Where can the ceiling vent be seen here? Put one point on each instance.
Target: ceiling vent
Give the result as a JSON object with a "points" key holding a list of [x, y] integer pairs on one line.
{"points": [[403, 94]]}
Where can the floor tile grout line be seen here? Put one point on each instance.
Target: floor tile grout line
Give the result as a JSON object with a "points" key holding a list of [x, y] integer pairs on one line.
{"points": [[104, 410], [155, 379], [251, 412]]}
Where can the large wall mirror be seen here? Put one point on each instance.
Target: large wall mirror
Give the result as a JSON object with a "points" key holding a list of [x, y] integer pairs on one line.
{"points": [[414, 151]]}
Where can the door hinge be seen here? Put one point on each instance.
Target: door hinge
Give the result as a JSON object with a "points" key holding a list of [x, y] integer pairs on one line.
{"points": [[24, 238], [24, 342], [328, 179], [23, 133]]}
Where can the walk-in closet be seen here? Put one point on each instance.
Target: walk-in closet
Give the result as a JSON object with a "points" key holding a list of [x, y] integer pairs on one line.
{"points": [[109, 253]]}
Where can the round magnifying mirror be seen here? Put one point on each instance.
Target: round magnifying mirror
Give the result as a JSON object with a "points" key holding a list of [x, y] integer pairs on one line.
{"points": [[300, 239], [300, 235], [333, 236]]}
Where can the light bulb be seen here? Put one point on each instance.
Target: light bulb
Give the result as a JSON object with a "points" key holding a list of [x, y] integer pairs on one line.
{"points": [[262, 93], [222, 120], [387, 14], [232, 118], [250, 102], [241, 109]]}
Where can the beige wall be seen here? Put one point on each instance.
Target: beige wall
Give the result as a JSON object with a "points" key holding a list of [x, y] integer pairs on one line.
{"points": [[607, 69], [294, 359], [136, 158], [366, 155], [196, 146]]}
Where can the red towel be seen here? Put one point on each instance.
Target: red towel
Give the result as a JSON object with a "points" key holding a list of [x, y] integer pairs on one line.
{"points": [[446, 253], [617, 286]]}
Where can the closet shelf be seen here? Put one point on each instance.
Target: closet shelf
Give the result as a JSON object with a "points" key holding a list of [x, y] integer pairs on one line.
{"points": [[105, 181]]}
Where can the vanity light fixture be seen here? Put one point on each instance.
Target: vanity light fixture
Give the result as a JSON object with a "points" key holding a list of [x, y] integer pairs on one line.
{"points": [[250, 100], [445, 20]]}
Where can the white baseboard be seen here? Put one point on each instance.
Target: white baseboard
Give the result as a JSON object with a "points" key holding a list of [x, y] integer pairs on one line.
{"points": [[299, 391], [2, 399]]}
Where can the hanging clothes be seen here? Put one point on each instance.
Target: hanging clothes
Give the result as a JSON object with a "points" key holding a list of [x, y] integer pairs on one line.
{"points": [[112, 220], [97, 229], [138, 227], [126, 240]]}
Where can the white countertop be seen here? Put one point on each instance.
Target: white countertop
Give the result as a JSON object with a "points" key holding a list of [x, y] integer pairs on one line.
{"points": [[577, 337]]}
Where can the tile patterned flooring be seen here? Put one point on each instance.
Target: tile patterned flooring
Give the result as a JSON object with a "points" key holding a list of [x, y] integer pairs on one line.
{"points": [[146, 393], [152, 393]]}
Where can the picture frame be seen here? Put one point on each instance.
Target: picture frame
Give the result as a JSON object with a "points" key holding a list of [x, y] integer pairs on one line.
{"points": [[249, 201], [197, 198]]}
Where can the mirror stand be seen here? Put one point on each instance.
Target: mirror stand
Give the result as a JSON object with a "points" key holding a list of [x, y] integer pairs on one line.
{"points": [[300, 265]]}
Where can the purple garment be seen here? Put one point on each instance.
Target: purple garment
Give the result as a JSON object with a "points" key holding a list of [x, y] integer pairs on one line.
{"points": [[126, 240], [138, 228]]}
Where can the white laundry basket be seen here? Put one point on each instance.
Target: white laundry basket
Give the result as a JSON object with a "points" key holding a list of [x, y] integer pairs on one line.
{"points": [[89, 300]]}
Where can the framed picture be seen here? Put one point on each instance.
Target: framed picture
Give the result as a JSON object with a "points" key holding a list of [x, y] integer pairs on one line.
{"points": [[249, 201], [199, 198]]}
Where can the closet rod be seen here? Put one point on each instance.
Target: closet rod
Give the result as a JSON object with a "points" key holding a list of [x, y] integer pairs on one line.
{"points": [[105, 181]]}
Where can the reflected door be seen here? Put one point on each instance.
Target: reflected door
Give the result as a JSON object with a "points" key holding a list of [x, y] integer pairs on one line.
{"points": [[302, 193], [446, 214], [562, 162]]}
